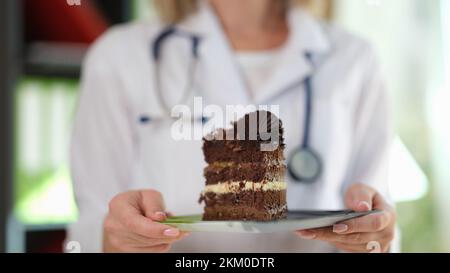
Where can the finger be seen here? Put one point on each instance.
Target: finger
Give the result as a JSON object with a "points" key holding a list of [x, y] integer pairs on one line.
{"points": [[158, 216], [131, 219], [152, 249], [370, 223], [150, 229], [142, 241], [306, 234], [329, 236], [152, 205], [380, 204], [136, 223], [161, 215], [361, 248], [169, 213], [157, 248], [133, 204], [359, 197], [125, 238]]}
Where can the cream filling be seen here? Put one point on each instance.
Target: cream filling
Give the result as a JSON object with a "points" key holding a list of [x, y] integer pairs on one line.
{"points": [[234, 186], [223, 164], [277, 209]]}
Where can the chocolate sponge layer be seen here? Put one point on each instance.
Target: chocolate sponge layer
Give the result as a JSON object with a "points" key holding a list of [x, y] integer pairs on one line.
{"points": [[255, 199], [245, 205], [255, 172], [242, 213], [235, 151], [243, 142]]}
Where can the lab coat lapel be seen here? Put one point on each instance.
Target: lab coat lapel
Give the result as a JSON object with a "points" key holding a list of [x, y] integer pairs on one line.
{"points": [[219, 76], [306, 36]]}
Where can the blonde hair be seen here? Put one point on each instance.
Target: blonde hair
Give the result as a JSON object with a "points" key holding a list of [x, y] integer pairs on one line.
{"points": [[174, 11]]}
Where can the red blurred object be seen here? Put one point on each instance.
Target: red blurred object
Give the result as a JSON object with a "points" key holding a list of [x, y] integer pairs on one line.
{"points": [[56, 20], [45, 241]]}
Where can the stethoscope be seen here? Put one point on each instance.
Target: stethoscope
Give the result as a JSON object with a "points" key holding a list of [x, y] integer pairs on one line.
{"points": [[304, 164], [156, 53]]}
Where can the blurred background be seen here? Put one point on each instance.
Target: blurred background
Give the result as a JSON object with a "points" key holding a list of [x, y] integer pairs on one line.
{"points": [[42, 44]]}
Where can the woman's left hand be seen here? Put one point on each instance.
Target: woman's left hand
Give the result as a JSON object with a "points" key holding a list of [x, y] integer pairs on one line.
{"points": [[370, 233]]}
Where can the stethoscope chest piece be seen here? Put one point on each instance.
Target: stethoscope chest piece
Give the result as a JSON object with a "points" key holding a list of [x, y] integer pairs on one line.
{"points": [[304, 165]]}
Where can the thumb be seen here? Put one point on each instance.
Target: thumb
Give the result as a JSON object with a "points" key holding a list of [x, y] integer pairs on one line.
{"points": [[152, 205], [359, 197]]}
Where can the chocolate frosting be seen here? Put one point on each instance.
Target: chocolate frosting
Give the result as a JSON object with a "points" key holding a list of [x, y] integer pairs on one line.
{"points": [[255, 127]]}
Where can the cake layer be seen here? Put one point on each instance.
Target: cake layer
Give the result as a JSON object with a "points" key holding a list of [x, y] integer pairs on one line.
{"points": [[244, 213], [235, 151], [256, 199], [237, 186], [255, 172]]}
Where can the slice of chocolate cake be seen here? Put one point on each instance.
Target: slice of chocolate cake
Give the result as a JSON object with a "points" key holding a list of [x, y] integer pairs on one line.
{"points": [[245, 172]]}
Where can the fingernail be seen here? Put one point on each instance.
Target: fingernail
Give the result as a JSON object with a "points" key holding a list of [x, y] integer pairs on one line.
{"points": [[171, 232], [364, 205], [160, 215], [309, 235], [169, 214], [339, 228]]}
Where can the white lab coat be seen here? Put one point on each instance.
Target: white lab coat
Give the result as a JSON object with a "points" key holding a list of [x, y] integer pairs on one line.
{"points": [[113, 152]]}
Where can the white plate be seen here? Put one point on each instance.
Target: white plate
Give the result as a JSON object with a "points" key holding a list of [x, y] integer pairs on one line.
{"points": [[296, 220]]}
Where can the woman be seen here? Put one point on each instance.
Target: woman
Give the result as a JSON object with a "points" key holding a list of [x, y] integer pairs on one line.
{"points": [[250, 52]]}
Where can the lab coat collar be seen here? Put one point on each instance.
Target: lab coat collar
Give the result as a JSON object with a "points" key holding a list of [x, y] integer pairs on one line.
{"points": [[306, 36]]}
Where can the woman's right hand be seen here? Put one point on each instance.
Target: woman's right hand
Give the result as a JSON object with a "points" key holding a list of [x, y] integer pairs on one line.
{"points": [[132, 224]]}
